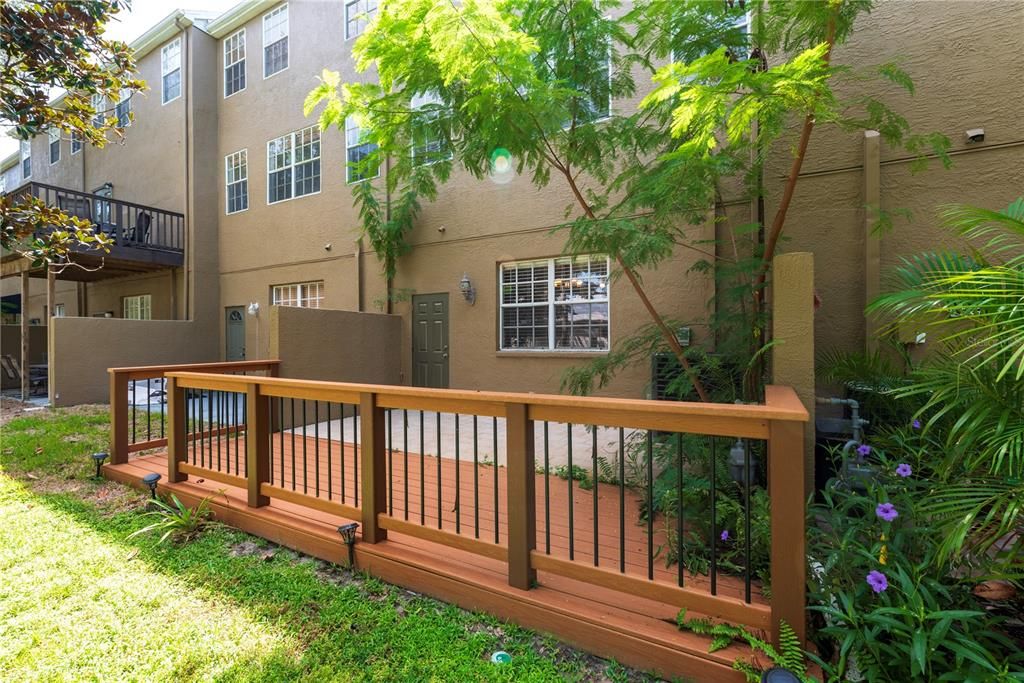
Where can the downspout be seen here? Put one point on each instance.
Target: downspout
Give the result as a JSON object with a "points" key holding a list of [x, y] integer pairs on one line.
{"points": [[389, 281], [187, 141]]}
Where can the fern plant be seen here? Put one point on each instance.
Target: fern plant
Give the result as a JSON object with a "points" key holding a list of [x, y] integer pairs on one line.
{"points": [[177, 521]]}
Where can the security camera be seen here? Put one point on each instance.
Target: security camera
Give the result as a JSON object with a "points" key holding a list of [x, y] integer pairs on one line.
{"points": [[976, 135]]}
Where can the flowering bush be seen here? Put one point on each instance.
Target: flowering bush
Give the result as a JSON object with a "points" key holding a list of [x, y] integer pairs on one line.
{"points": [[887, 610]]}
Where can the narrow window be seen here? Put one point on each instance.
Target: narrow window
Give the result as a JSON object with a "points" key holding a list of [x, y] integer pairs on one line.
{"points": [[99, 108], [556, 304], [170, 70], [299, 294], [358, 14], [293, 165], [76, 142], [236, 178], [123, 109], [54, 136], [234, 63], [138, 307], [357, 149], [58, 310], [429, 142], [26, 158], [275, 41]]}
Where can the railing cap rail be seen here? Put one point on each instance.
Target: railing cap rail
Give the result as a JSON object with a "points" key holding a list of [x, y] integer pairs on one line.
{"points": [[782, 402], [220, 365], [110, 200]]}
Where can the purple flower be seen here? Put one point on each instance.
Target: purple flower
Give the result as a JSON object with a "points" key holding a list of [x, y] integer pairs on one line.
{"points": [[863, 450], [916, 424], [886, 511], [877, 581], [903, 469], [725, 535]]}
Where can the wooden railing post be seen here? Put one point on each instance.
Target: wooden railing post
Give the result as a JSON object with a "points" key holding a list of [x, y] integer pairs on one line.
{"points": [[522, 509], [118, 417], [177, 430], [788, 524], [374, 474], [257, 444]]}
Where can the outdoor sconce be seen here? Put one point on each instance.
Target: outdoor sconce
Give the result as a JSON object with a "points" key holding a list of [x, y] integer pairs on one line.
{"points": [[348, 535], [254, 308], [467, 289], [98, 458], [150, 480]]}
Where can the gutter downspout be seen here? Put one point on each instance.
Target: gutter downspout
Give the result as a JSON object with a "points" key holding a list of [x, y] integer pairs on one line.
{"points": [[187, 141]]}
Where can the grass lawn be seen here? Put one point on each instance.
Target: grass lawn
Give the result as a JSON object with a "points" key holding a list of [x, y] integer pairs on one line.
{"points": [[80, 601]]}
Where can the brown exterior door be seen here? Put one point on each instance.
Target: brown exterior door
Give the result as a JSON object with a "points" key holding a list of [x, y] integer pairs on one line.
{"points": [[430, 340]]}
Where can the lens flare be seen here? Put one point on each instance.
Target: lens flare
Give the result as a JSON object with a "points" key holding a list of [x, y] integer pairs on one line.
{"points": [[502, 171]]}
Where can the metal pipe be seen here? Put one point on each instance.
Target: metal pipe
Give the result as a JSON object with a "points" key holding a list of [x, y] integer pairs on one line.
{"points": [[855, 420]]}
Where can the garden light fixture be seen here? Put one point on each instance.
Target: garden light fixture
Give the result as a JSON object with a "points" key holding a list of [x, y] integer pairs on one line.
{"points": [[150, 480], [467, 289], [98, 458], [777, 674], [348, 535]]}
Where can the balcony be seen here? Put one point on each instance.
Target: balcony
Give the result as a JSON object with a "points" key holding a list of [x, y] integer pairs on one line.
{"points": [[144, 238]]}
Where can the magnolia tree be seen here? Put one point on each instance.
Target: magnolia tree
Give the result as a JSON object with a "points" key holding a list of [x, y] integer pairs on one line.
{"points": [[471, 83], [49, 47]]}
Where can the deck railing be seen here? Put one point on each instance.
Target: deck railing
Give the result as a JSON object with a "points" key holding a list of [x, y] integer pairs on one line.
{"points": [[138, 404], [477, 471]]}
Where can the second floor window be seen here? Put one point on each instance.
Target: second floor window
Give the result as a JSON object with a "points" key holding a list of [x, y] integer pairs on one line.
{"points": [[76, 142], [275, 41], [138, 307], [357, 149], [429, 144], [234, 63], [170, 70], [236, 178], [123, 109], [26, 158], [99, 108], [358, 14], [293, 165], [54, 136], [301, 294]]}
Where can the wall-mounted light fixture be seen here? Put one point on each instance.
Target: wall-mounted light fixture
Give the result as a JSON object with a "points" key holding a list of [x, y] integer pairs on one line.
{"points": [[467, 289], [254, 308]]}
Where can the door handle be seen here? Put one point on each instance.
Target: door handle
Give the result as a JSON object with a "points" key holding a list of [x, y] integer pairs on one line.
{"points": [[444, 355]]}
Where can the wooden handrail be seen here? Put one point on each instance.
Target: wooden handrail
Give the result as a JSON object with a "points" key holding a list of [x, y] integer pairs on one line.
{"points": [[153, 371]]}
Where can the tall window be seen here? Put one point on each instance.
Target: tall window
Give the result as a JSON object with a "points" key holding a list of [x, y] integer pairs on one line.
{"points": [[170, 70], [76, 142], [26, 158], [58, 310], [357, 149], [429, 144], [138, 307], [301, 294], [99, 107], [123, 109], [275, 41], [236, 179], [53, 134], [234, 63], [556, 304], [293, 165], [358, 14]]}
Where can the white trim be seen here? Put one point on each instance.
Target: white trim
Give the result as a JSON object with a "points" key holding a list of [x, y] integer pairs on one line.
{"points": [[345, 16], [293, 164], [227, 184], [348, 167], [243, 60], [301, 293], [81, 143], [50, 139], [238, 15], [141, 303], [22, 146], [287, 38], [163, 74]]}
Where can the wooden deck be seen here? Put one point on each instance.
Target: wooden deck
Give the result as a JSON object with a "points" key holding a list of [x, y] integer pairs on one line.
{"points": [[633, 630]]}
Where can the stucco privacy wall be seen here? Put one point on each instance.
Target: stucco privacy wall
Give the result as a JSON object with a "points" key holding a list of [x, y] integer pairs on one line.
{"points": [[81, 350], [10, 344]]}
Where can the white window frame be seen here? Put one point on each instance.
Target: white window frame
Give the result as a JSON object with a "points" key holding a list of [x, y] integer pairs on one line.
{"points": [[364, 15], [353, 136], [137, 307], [552, 303], [53, 138], [292, 138], [58, 311], [166, 71], [281, 9], [418, 102], [298, 294], [125, 101], [99, 105], [25, 154], [237, 52], [230, 165], [76, 142], [741, 22]]}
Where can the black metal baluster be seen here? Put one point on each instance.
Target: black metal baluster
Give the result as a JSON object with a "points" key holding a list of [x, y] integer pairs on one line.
{"points": [[572, 548], [220, 420], [423, 466], [746, 520], [497, 527], [391, 469], [593, 477], [190, 396], [341, 458], [714, 516], [355, 460], [547, 492], [305, 451], [476, 481], [405, 459], [163, 407], [680, 546], [149, 414], [650, 505], [330, 471], [132, 394], [280, 405], [316, 444], [458, 490], [293, 441], [439, 470], [236, 425], [622, 500]]}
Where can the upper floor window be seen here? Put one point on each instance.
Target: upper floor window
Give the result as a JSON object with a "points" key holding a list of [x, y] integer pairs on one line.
{"points": [[293, 165], [738, 36], [301, 294], [234, 63], [58, 311], [357, 149], [236, 180], [26, 158], [54, 137], [556, 304], [358, 14], [76, 142], [275, 41], [138, 307], [170, 70], [99, 107], [123, 109], [429, 144]]}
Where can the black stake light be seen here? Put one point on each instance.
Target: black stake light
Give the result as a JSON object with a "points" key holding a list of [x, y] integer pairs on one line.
{"points": [[150, 480], [777, 674], [98, 458], [348, 535]]}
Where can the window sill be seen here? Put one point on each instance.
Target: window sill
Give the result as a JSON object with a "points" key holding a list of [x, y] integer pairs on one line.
{"points": [[545, 353]]}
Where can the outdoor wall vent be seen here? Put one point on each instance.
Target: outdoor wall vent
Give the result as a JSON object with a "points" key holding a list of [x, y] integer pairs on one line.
{"points": [[975, 135]]}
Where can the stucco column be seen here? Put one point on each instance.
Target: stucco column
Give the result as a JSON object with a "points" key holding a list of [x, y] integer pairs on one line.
{"points": [[793, 334], [872, 240]]}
